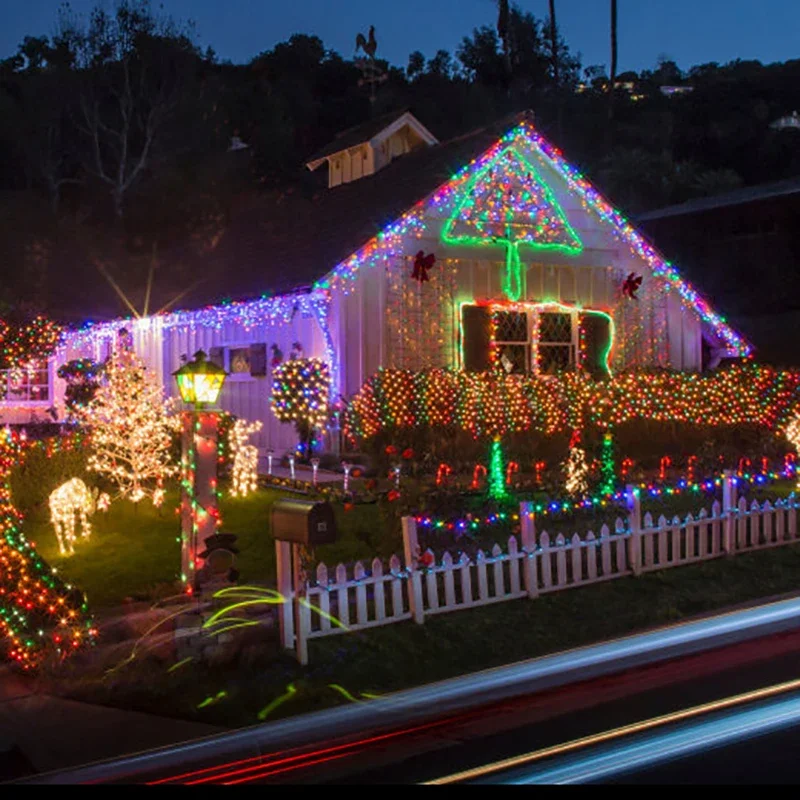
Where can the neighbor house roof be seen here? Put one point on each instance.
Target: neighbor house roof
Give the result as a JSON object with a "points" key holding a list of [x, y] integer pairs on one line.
{"points": [[748, 194]]}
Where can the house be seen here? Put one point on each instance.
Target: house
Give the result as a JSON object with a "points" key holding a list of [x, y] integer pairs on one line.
{"points": [[743, 247], [486, 251]]}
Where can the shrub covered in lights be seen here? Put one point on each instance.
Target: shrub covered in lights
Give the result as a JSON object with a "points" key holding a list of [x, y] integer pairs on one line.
{"points": [[491, 404], [41, 617], [83, 380], [301, 394]]}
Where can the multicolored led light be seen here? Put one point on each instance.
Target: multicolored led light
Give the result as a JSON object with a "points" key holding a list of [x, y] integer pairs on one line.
{"points": [[492, 404], [301, 392], [39, 613], [26, 344]]}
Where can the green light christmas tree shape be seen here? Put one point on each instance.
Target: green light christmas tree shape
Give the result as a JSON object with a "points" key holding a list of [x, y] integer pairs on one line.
{"points": [[506, 202]]}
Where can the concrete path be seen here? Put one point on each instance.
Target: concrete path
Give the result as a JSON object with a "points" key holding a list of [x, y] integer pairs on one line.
{"points": [[40, 733]]}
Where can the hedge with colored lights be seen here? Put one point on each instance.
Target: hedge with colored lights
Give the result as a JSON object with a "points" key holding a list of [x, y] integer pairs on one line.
{"points": [[493, 404], [40, 615], [301, 390]]}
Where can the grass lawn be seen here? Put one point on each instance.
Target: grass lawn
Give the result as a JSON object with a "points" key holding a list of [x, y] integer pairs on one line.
{"points": [[134, 551], [354, 666]]}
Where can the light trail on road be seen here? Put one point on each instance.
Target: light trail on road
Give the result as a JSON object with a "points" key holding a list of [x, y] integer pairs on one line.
{"points": [[650, 749]]}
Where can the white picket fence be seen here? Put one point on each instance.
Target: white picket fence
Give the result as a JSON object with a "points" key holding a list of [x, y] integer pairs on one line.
{"points": [[340, 601]]}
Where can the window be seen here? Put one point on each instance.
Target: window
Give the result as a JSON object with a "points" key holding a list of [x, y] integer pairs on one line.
{"points": [[521, 340], [26, 385], [239, 361], [511, 341], [555, 342]]}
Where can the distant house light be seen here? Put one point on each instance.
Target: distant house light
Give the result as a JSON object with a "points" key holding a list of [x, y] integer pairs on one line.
{"points": [[237, 144], [669, 91], [790, 121]]}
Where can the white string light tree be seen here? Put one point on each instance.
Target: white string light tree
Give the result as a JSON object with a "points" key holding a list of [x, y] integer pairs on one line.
{"points": [[793, 433], [244, 477], [576, 469], [131, 425]]}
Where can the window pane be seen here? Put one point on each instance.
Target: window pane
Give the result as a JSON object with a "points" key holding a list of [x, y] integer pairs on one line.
{"points": [[477, 334], [240, 361], [511, 326], [554, 327], [513, 359], [553, 359]]}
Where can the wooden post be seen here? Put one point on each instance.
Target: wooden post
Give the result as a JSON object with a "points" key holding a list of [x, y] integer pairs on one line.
{"points": [[527, 521], [411, 553], [301, 618], [198, 496], [283, 560], [635, 524], [728, 512]]}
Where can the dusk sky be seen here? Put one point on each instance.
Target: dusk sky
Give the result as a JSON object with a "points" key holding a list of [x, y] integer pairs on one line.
{"points": [[688, 31]]}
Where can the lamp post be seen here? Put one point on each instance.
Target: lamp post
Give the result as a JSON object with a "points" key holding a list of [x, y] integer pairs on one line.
{"points": [[199, 383]]}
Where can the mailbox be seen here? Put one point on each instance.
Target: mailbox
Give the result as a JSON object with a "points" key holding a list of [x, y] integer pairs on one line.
{"points": [[305, 522]]}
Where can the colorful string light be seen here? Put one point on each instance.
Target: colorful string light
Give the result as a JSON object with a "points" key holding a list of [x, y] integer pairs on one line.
{"points": [[39, 613], [301, 392], [492, 404], [507, 203]]}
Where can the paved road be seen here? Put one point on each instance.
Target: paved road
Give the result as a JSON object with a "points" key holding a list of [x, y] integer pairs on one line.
{"points": [[510, 729], [771, 759]]}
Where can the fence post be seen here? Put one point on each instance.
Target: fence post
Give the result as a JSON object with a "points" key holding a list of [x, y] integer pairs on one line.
{"points": [[527, 520], [283, 559], [302, 617], [411, 553], [633, 502], [728, 511]]}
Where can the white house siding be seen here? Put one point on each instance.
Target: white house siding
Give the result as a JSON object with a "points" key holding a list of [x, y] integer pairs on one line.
{"points": [[357, 325], [161, 345]]}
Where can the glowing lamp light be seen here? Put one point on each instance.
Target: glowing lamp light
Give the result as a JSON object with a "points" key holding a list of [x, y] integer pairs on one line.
{"points": [[199, 381]]}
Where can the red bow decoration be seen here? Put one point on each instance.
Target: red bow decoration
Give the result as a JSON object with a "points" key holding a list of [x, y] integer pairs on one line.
{"points": [[422, 264], [631, 286]]}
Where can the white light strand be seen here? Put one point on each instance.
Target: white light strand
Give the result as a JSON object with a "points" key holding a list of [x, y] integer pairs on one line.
{"points": [[244, 477]]}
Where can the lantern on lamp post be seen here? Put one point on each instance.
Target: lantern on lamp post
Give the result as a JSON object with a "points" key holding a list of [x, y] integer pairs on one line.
{"points": [[200, 384]]}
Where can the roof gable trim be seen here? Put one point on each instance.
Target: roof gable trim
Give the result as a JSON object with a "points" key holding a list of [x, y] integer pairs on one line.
{"points": [[388, 242]]}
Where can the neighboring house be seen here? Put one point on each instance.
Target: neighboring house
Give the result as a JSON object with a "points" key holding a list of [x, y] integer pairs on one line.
{"points": [[743, 248], [527, 271]]}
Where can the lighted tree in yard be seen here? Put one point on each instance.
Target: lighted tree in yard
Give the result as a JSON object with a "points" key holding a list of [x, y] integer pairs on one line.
{"points": [[301, 394], [132, 426], [576, 470], [507, 203]]}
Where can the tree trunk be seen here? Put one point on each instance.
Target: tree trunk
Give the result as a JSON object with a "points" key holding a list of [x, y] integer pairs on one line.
{"points": [[554, 43], [612, 78], [556, 71], [504, 32]]}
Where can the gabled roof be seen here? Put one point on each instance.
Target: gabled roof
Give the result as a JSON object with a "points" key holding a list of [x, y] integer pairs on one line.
{"points": [[748, 194], [321, 240], [370, 131]]}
